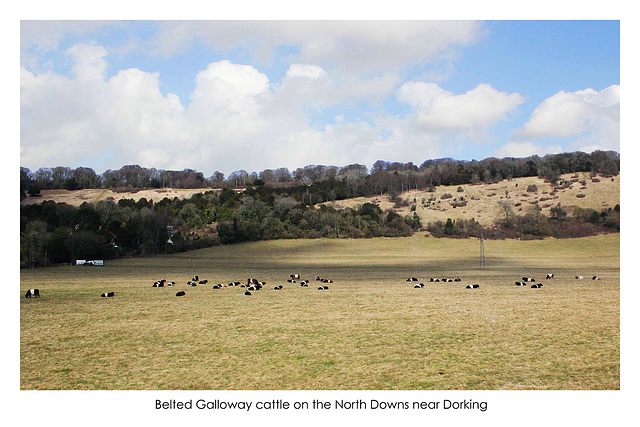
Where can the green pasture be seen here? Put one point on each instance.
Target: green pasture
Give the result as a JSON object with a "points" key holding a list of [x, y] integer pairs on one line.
{"points": [[371, 330]]}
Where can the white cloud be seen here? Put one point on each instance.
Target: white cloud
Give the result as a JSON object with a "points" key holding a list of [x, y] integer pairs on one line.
{"points": [[592, 115], [525, 149], [353, 45], [439, 110]]}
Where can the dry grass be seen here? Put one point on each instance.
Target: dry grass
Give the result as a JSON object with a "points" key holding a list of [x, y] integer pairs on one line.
{"points": [[92, 195], [482, 199], [370, 330]]}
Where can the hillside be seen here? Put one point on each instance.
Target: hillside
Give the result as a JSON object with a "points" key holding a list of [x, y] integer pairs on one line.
{"points": [[481, 199]]}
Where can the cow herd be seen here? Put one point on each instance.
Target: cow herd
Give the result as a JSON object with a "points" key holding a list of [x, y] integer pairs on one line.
{"points": [[525, 280], [254, 285]]}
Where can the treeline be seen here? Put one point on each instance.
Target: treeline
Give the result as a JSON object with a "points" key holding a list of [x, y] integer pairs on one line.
{"points": [[348, 181], [54, 233], [533, 224], [280, 205]]}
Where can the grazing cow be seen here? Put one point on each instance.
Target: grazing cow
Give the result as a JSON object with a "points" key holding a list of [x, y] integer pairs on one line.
{"points": [[278, 287], [246, 293], [108, 294], [33, 293], [550, 276], [537, 285], [473, 286], [595, 278], [295, 277], [195, 279], [180, 293], [318, 278], [521, 284], [579, 277]]}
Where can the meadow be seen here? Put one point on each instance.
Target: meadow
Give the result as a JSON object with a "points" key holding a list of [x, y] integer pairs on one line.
{"points": [[371, 330]]}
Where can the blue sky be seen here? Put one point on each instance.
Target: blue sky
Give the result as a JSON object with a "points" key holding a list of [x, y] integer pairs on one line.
{"points": [[255, 95]]}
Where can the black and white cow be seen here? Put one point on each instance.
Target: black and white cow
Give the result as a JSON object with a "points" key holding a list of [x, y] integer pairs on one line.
{"points": [[419, 285], [595, 278], [217, 286], [536, 286], [579, 277], [33, 293], [412, 279], [277, 288], [550, 276], [457, 280], [180, 293], [473, 286], [323, 288], [528, 279], [108, 294], [246, 293], [295, 277], [521, 284]]}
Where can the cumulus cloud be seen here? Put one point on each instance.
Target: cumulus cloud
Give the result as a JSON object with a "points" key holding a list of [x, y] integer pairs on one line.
{"points": [[353, 45], [525, 149], [592, 116], [439, 110]]}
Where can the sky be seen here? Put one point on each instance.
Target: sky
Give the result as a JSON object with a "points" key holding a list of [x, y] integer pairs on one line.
{"points": [[228, 95]]}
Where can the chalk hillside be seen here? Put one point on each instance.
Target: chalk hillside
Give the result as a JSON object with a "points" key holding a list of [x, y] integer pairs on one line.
{"points": [[479, 201]]}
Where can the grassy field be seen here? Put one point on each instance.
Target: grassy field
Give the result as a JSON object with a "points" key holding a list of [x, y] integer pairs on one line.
{"points": [[371, 330]]}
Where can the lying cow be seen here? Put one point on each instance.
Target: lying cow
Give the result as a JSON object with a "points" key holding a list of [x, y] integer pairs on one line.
{"points": [[108, 294]]}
